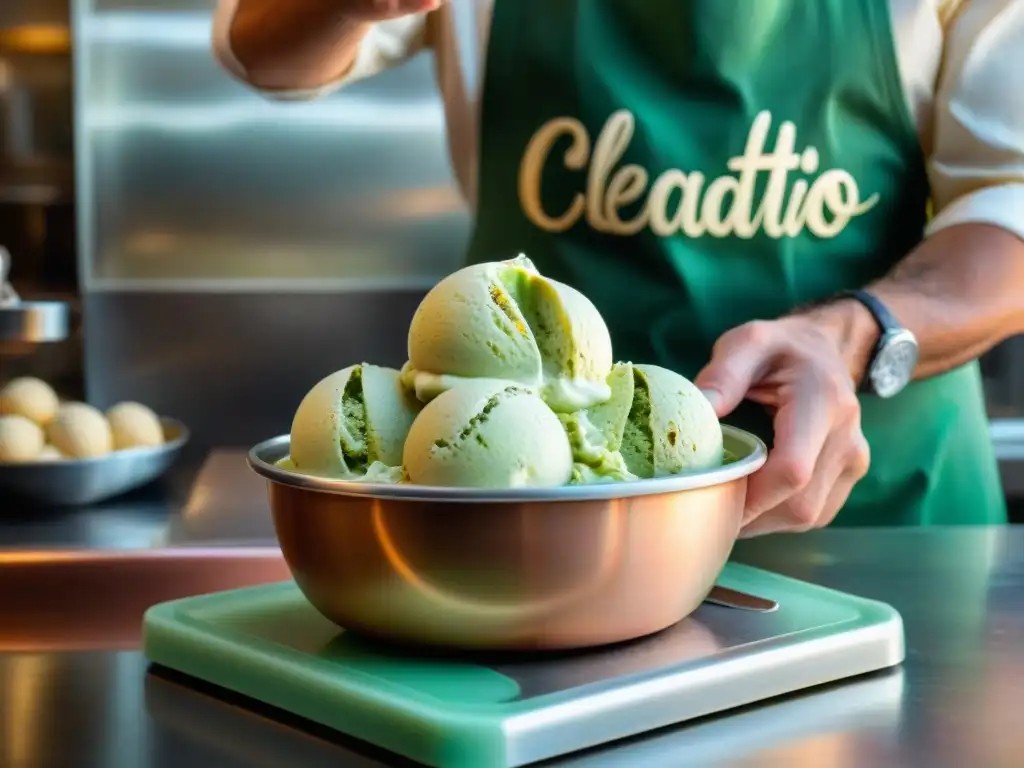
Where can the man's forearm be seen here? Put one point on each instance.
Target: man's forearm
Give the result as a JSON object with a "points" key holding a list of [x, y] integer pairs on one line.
{"points": [[961, 292], [297, 44]]}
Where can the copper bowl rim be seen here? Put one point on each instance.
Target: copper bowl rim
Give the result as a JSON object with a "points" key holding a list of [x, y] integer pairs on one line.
{"points": [[752, 454]]}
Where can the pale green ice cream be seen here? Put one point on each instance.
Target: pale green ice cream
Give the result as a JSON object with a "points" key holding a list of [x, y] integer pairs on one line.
{"points": [[656, 423], [671, 427], [596, 433], [515, 371], [505, 322], [483, 434], [353, 424]]}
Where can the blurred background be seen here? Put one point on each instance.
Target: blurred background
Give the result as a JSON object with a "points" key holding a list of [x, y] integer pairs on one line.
{"points": [[221, 252]]}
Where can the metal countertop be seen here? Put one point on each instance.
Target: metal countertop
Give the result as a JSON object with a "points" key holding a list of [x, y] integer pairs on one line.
{"points": [[956, 702], [217, 499]]}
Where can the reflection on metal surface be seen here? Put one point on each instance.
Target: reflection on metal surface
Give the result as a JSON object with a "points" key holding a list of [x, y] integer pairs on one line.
{"points": [[243, 736], [1008, 441], [227, 505], [731, 598], [117, 737], [608, 556], [817, 729], [696, 641], [87, 600], [516, 555], [359, 113], [28, 681]]}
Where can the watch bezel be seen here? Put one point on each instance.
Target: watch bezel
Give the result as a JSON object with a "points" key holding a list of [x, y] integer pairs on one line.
{"points": [[889, 339]]}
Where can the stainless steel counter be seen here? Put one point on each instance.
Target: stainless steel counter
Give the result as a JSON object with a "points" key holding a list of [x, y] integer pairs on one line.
{"points": [[75, 694], [218, 500]]}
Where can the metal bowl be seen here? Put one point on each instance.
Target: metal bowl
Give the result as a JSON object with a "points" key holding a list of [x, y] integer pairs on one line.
{"points": [[541, 568], [34, 322], [74, 482]]}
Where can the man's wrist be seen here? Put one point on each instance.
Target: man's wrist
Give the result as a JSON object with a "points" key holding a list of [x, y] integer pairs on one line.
{"points": [[854, 331]]}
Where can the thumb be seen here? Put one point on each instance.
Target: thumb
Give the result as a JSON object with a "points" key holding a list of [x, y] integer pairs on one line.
{"points": [[734, 369]]}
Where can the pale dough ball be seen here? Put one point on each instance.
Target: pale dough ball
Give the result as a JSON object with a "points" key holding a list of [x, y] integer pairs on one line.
{"points": [[20, 439], [29, 397], [134, 425], [80, 431], [49, 453]]}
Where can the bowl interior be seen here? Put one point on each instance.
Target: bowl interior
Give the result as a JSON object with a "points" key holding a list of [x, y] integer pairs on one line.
{"points": [[747, 454]]}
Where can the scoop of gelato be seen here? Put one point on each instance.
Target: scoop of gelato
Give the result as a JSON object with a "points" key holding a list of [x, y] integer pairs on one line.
{"points": [[133, 425], [80, 431], [21, 439], [29, 397], [486, 435], [656, 423], [49, 453], [351, 421], [671, 426], [505, 322], [596, 434]]}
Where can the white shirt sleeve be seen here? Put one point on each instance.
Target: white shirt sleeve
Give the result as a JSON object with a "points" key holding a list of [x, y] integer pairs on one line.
{"points": [[386, 45], [976, 167]]}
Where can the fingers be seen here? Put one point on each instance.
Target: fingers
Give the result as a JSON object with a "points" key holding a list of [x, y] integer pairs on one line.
{"points": [[858, 461], [802, 426], [819, 451], [739, 358], [844, 460], [382, 10]]}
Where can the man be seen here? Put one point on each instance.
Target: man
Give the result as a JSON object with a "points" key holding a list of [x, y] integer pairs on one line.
{"points": [[741, 188]]}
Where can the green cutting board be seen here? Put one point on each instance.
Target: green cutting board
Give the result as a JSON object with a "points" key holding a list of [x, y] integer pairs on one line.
{"points": [[270, 644]]}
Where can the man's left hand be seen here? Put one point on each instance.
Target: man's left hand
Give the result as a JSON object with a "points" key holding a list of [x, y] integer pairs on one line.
{"points": [[795, 367]]}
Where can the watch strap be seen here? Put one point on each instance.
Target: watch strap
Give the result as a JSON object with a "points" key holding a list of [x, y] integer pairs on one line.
{"points": [[886, 322], [885, 319]]}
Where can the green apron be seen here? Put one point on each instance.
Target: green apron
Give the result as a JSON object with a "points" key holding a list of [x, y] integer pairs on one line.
{"points": [[691, 165]]}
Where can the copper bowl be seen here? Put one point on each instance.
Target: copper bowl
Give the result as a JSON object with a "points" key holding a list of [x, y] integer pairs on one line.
{"points": [[550, 568]]}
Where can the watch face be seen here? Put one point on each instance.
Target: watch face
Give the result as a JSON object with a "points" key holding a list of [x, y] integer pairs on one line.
{"points": [[894, 365]]}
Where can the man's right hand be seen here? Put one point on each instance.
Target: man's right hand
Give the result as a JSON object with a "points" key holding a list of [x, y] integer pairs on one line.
{"points": [[382, 10], [305, 44]]}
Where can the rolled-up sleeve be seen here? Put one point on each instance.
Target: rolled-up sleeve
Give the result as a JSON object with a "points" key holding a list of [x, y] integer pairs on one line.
{"points": [[386, 45], [976, 167]]}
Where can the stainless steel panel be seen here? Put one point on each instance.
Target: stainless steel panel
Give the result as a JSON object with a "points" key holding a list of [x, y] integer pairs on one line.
{"points": [[234, 366], [186, 175], [233, 249]]}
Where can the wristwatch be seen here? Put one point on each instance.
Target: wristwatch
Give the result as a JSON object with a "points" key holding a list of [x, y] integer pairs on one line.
{"points": [[892, 364]]}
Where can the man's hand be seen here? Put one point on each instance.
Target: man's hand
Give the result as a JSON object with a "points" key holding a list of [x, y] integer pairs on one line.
{"points": [[382, 10], [795, 367], [289, 45]]}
